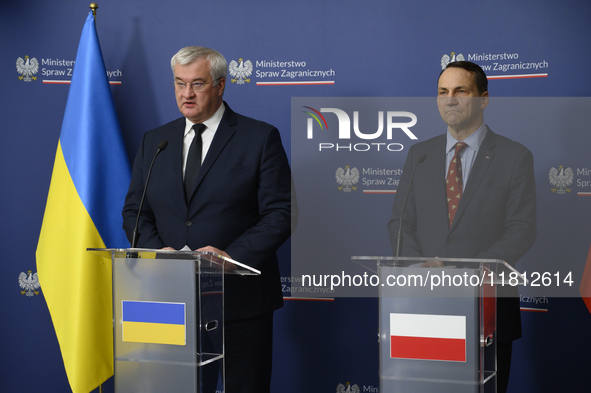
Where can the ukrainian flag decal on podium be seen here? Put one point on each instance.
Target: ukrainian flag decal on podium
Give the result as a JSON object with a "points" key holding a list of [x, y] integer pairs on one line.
{"points": [[154, 322]]}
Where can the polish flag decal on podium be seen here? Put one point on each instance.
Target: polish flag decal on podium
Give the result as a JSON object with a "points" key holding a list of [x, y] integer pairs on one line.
{"points": [[428, 337]]}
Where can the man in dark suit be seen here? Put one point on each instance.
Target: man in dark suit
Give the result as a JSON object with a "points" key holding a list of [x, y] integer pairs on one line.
{"points": [[494, 213], [223, 185]]}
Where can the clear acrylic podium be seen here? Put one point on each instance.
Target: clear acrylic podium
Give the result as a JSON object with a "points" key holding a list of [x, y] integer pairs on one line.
{"points": [[437, 325], [168, 317]]}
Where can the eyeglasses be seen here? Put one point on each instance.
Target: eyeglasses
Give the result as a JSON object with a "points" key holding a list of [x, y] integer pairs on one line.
{"points": [[195, 86]]}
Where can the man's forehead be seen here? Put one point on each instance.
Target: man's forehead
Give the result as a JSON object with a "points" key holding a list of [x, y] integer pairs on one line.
{"points": [[456, 86], [200, 66], [453, 78]]}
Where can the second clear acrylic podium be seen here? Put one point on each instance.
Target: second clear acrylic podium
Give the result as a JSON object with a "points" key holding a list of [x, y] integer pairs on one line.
{"points": [[438, 324], [168, 311]]}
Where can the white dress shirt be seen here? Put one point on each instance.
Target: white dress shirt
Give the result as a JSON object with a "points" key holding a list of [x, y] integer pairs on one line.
{"points": [[206, 136]]}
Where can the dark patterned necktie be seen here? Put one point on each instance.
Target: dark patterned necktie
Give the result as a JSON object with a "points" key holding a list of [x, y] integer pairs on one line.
{"points": [[193, 161], [454, 183]]}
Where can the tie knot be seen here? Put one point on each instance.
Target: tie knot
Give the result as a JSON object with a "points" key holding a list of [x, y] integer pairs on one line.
{"points": [[460, 146], [199, 128]]}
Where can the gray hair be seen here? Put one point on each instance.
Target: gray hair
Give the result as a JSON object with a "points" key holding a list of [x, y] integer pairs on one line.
{"points": [[189, 54]]}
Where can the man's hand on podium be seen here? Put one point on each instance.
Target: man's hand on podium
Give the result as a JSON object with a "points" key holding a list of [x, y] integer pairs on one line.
{"points": [[432, 263], [228, 266]]}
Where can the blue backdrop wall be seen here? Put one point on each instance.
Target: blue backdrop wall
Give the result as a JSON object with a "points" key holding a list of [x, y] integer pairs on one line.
{"points": [[306, 49]]}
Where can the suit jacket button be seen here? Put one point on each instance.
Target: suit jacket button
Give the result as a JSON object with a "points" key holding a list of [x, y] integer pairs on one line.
{"points": [[188, 223]]}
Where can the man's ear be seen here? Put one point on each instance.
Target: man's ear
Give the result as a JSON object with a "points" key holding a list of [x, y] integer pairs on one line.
{"points": [[484, 102], [222, 86]]}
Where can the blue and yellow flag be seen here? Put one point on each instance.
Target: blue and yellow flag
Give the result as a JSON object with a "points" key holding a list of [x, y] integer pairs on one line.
{"points": [[88, 185], [154, 322]]}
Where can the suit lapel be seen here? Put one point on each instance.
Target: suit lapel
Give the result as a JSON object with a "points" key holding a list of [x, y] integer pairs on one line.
{"points": [[175, 144], [437, 175], [483, 160], [221, 138]]}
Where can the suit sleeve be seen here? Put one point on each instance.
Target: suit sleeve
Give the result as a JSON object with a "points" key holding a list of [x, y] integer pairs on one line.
{"points": [[274, 196], [147, 227], [520, 214]]}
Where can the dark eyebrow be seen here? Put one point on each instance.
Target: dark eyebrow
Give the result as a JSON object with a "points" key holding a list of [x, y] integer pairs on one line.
{"points": [[461, 87], [194, 80]]}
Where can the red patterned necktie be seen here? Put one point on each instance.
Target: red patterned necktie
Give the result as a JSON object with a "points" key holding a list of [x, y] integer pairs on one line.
{"points": [[453, 183]]}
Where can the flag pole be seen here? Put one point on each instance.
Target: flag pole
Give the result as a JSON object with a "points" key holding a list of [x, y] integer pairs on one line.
{"points": [[94, 7]]}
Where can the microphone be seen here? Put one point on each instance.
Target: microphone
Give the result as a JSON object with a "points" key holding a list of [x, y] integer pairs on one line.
{"points": [[134, 238], [422, 158]]}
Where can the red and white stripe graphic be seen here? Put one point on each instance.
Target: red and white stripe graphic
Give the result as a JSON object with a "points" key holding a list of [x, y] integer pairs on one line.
{"points": [[428, 337]]}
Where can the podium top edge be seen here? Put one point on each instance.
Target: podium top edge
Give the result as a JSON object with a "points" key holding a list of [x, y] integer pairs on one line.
{"points": [[423, 259], [187, 254], [372, 263]]}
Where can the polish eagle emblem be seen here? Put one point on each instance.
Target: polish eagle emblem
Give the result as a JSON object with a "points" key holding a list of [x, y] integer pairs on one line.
{"points": [[560, 179], [240, 70], [347, 178], [29, 283], [446, 59], [27, 67], [348, 389]]}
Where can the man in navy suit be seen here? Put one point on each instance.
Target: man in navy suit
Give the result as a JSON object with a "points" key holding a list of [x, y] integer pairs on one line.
{"points": [[238, 204], [495, 215]]}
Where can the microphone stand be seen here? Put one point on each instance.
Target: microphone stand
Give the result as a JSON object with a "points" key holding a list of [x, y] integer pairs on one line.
{"points": [[421, 159]]}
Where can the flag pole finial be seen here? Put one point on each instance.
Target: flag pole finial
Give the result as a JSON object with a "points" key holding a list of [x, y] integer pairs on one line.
{"points": [[93, 7]]}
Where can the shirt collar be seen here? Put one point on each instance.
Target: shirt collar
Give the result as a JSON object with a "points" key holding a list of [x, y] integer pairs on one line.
{"points": [[473, 141], [212, 123]]}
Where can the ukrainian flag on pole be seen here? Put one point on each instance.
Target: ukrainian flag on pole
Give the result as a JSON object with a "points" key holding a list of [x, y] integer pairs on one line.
{"points": [[88, 185]]}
